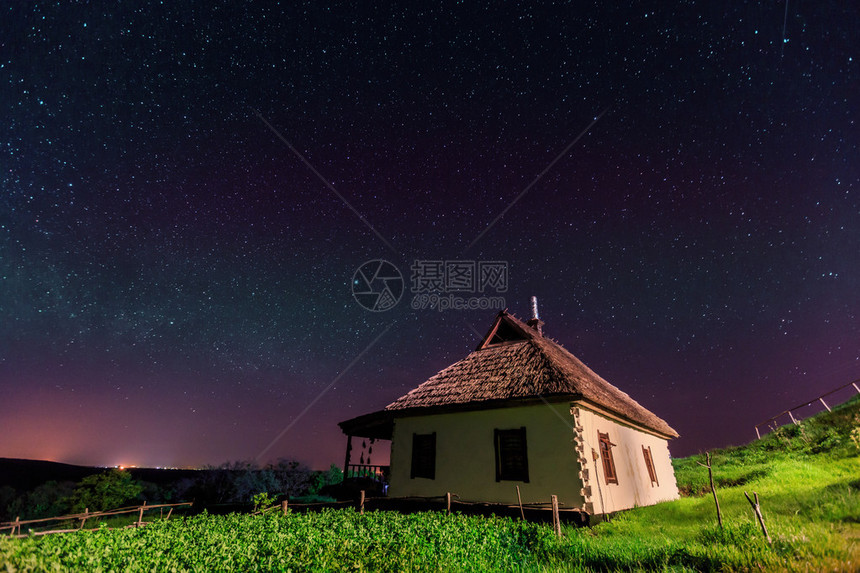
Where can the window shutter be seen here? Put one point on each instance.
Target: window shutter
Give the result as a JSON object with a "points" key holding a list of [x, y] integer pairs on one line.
{"points": [[649, 464], [512, 463], [609, 474], [423, 456]]}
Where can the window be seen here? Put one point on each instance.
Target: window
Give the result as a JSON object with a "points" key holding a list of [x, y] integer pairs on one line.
{"points": [[423, 456], [512, 461], [606, 455], [649, 463]]}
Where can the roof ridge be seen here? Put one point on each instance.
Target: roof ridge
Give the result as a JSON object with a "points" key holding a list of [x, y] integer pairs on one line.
{"points": [[656, 421]]}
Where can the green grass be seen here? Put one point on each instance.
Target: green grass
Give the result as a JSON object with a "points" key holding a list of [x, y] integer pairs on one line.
{"points": [[811, 511], [332, 540], [807, 478], [808, 481]]}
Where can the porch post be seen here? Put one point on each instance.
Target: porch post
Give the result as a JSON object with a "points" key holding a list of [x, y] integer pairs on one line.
{"points": [[346, 458]]}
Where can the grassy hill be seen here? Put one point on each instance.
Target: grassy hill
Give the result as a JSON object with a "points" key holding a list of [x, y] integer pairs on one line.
{"points": [[807, 478]]}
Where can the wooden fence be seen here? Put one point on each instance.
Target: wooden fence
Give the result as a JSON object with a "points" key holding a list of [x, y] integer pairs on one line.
{"points": [[550, 511], [14, 526], [771, 422]]}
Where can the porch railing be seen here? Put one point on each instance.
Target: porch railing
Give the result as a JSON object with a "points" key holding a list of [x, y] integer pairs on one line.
{"points": [[376, 473]]}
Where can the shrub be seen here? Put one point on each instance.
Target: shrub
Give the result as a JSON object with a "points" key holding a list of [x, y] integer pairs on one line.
{"points": [[99, 492]]}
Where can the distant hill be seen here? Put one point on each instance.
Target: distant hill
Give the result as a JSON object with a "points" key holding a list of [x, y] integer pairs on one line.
{"points": [[27, 474], [163, 476]]}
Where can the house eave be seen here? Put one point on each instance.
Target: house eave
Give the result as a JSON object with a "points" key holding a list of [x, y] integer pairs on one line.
{"points": [[482, 405], [587, 404], [379, 425]]}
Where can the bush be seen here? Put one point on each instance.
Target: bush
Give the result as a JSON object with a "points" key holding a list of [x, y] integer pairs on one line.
{"points": [[100, 492], [240, 481]]}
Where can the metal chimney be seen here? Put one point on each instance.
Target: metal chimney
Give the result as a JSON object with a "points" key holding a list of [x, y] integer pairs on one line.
{"points": [[534, 309], [535, 321]]}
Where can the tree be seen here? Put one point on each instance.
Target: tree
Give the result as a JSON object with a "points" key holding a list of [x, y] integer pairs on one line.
{"points": [[240, 481], [293, 478], [332, 476], [47, 500], [8, 503], [109, 490], [251, 480]]}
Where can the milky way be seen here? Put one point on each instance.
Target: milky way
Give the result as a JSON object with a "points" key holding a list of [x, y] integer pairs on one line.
{"points": [[188, 191]]}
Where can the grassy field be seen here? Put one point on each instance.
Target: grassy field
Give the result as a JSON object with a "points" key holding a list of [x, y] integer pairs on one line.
{"points": [[807, 478]]}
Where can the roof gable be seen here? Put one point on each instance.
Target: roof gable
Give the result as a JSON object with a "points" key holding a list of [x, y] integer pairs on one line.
{"points": [[504, 330]]}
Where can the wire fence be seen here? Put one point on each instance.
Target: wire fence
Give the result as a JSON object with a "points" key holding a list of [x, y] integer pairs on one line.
{"points": [[771, 423]]}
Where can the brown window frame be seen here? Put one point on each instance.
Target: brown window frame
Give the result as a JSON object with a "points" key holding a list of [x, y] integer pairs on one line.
{"points": [[609, 473], [423, 456], [512, 456], [649, 465]]}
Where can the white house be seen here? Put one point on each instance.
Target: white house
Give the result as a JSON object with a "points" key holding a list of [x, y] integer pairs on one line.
{"points": [[522, 411]]}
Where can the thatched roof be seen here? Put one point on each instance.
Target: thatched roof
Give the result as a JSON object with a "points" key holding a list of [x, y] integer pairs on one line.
{"points": [[514, 363]]}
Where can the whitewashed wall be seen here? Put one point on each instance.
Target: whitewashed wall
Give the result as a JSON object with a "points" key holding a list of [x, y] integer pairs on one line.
{"points": [[465, 456], [634, 487]]}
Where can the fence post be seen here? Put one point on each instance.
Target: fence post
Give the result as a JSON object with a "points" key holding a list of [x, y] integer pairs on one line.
{"points": [[520, 500], [825, 404], [757, 509], [556, 523], [346, 457], [17, 525], [84, 518], [140, 514], [713, 488], [284, 507], [361, 503], [448, 499]]}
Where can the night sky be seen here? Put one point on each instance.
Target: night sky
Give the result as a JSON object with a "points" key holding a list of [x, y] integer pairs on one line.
{"points": [[188, 190]]}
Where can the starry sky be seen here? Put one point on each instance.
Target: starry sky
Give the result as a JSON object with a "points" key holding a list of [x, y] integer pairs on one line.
{"points": [[187, 190]]}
